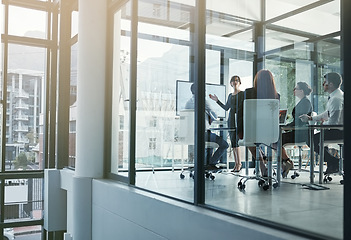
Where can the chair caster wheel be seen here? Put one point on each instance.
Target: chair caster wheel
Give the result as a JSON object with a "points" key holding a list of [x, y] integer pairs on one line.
{"points": [[293, 176], [330, 178], [182, 176], [341, 181], [325, 180], [207, 175], [212, 177], [297, 174], [275, 185], [260, 183], [265, 187], [242, 187], [274, 174], [191, 175], [240, 184]]}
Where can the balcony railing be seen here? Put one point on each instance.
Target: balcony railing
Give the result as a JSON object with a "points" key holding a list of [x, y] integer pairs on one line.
{"points": [[21, 118], [22, 106], [21, 129]]}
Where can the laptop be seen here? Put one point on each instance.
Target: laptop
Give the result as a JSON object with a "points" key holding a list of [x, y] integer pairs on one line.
{"points": [[283, 115]]}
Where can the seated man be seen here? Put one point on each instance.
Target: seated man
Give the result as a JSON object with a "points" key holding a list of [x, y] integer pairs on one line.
{"points": [[333, 115], [211, 158]]}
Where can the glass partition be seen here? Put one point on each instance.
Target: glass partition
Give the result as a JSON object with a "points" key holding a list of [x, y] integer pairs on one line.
{"points": [[164, 51], [294, 51], [120, 91], [241, 39]]}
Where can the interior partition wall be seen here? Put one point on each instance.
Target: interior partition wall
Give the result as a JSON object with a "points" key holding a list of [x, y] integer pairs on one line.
{"points": [[160, 48]]}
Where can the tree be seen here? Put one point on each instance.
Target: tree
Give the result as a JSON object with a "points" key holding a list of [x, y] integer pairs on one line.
{"points": [[21, 161]]}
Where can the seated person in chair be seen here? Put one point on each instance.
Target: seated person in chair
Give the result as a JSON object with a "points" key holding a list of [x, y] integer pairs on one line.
{"points": [[333, 115], [264, 88], [304, 106], [211, 158]]}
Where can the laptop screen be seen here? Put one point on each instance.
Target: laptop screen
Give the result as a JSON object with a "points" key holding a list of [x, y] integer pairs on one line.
{"points": [[283, 113]]}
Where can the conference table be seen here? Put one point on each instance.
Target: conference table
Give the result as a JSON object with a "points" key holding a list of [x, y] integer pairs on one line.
{"points": [[311, 129]]}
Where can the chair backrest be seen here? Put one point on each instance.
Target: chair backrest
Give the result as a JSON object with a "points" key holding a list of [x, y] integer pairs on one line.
{"points": [[186, 126], [261, 121], [186, 129]]}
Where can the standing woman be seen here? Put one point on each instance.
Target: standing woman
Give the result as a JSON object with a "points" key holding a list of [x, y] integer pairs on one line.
{"points": [[232, 102], [304, 106]]}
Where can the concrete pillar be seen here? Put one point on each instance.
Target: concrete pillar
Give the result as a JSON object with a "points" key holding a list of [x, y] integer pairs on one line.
{"points": [[90, 112], [91, 88]]}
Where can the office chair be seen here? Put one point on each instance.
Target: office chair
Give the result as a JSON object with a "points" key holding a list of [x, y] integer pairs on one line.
{"points": [[261, 126], [327, 176], [300, 145], [186, 137]]}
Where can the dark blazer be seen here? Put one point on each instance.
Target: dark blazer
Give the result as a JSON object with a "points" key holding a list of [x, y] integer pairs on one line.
{"points": [[303, 107], [232, 104]]}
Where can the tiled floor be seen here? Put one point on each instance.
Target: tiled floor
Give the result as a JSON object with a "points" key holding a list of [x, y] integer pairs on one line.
{"points": [[290, 204]]}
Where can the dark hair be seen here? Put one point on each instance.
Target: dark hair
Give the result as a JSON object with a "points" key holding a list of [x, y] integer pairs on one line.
{"points": [[304, 87], [233, 79], [192, 88], [334, 78], [264, 85]]}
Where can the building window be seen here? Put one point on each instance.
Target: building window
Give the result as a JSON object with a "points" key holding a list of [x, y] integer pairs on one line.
{"points": [[156, 11], [153, 122], [152, 143]]}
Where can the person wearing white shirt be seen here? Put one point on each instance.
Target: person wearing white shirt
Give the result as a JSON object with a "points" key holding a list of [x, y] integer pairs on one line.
{"points": [[333, 115]]}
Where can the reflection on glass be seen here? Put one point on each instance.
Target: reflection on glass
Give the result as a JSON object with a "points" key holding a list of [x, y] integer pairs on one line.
{"points": [[35, 22], [120, 91], [24, 101]]}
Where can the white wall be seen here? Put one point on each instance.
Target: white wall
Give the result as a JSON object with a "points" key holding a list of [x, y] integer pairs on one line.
{"points": [[122, 212]]}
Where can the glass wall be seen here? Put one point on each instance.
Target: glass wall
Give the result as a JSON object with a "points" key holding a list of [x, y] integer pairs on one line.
{"points": [[121, 90], [241, 38], [164, 52]]}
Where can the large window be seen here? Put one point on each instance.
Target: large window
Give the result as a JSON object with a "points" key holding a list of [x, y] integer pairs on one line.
{"points": [[29, 73]]}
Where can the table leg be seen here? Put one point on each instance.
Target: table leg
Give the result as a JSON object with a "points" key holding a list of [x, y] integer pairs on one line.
{"points": [[311, 132], [321, 155]]}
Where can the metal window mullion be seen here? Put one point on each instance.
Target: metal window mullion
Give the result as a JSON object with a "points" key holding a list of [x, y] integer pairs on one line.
{"points": [[51, 89], [64, 86], [199, 80], [4, 108], [108, 93], [133, 91], [345, 49]]}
